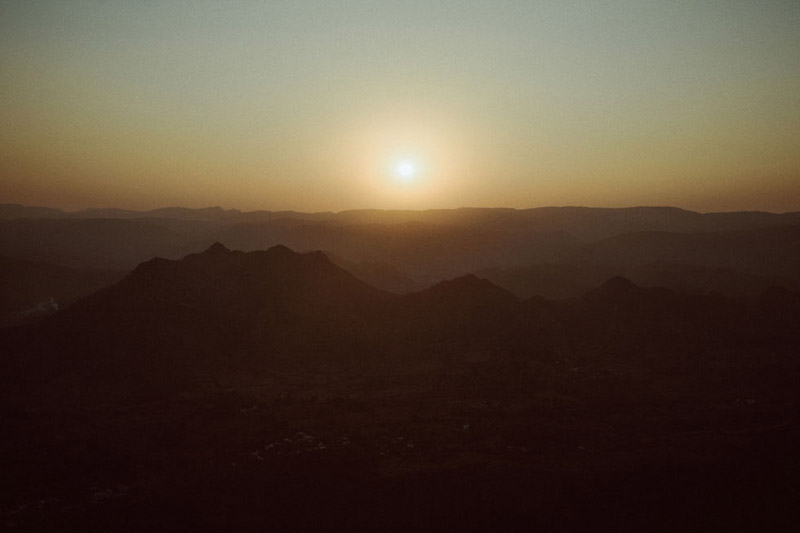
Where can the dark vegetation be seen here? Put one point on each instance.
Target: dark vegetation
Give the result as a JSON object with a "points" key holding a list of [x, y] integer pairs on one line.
{"points": [[275, 390]]}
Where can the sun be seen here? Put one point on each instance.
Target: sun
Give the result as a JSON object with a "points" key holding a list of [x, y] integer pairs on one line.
{"points": [[406, 170]]}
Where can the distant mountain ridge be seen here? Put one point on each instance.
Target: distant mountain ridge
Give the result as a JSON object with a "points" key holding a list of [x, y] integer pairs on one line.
{"points": [[735, 253], [567, 218]]}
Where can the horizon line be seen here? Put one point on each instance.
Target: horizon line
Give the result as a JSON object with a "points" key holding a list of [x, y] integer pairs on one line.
{"points": [[364, 209]]}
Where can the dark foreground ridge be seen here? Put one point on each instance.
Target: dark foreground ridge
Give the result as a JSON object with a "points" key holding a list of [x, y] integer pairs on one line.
{"points": [[275, 390]]}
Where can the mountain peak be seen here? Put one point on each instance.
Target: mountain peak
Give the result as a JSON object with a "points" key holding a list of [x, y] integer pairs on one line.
{"points": [[468, 286], [279, 250], [616, 288], [217, 248], [618, 284], [465, 282]]}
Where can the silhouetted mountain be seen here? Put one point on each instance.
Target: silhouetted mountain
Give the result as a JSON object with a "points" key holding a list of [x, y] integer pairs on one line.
{"points": [[216, 312], [585, 222], [467, 291], [566, 280], [275, 390], [616, 288], [624, 314], [460, 309], [223, 305], [586, 244], [427, 252]]}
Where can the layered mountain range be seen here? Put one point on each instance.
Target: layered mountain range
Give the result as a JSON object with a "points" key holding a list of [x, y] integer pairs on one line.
{"points": [[275, 389], [222, 304], [551, 252]]}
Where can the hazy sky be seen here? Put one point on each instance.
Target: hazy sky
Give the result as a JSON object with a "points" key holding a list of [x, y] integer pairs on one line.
{"points": [[338, 105]]}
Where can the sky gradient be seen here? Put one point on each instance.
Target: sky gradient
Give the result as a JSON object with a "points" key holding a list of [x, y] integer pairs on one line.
{"points": [[314, 106]]}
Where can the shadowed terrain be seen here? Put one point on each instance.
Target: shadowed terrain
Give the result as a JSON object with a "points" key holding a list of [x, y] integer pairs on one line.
{"points": [[274, 389]]}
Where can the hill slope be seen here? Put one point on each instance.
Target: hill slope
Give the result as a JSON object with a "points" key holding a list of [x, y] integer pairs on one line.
{"points": [[274, 390]]}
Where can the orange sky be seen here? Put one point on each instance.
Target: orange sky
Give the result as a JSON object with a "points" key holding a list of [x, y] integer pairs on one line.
{"points": [[312, 105]]}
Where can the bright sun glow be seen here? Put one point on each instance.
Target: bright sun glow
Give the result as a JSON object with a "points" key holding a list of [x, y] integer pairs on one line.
{"points": [[405, 171], [403, 159]]}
